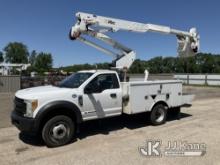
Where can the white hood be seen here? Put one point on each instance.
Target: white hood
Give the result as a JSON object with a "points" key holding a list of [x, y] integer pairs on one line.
{"points": [[41, 91]]}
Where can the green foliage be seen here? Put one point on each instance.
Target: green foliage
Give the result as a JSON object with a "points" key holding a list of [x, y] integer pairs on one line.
{"points": [[1, 57], [43, 62], [16, 52], [201, 63], [78, 67], [138, 66], [32, 57]]}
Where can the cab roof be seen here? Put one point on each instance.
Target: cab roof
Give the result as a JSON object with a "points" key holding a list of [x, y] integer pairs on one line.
{"points": [[97, 71]]}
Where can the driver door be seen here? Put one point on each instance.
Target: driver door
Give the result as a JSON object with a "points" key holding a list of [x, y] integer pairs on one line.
{"points": [[102, 97]]}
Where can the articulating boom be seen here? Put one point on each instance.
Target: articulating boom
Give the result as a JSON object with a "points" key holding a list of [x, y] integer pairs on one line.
{"points": [[95, 26]]}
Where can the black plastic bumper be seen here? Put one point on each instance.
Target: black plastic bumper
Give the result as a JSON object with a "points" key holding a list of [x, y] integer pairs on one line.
{"points": [[24, 124]]}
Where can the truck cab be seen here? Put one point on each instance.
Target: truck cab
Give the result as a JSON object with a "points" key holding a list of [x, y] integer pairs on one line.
{"points": [[101, 95]]}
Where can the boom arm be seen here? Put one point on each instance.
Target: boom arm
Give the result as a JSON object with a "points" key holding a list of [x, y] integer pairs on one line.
{"points": [[95, 26]]}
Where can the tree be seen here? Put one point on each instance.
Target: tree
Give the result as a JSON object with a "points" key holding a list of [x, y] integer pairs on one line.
{"points": [[1, 57], [156, 65], [138, 66], [201, 63], [169, 65], [32, 57], [16, 52], [43, 62], [208, 63]]}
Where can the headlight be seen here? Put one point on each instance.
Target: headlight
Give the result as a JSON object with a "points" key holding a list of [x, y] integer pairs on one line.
{"points": [[31, 106], [34, 104]]}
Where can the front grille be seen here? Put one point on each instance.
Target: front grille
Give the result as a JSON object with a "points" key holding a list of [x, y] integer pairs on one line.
{"points": [[20, 106]]}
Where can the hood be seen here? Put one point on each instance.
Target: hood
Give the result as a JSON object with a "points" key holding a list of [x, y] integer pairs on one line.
{"points": [[41, 91]]}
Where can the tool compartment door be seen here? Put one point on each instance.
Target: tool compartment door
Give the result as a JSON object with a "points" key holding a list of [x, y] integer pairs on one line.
{"points": [[143, 95]]}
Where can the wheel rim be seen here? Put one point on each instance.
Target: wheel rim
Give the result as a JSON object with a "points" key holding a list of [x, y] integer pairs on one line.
{"points": [[159, 115], [59, 132]]}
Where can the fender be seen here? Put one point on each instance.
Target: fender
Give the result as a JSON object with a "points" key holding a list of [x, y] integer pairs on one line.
{"points": [[58, 106], [158, 102]]}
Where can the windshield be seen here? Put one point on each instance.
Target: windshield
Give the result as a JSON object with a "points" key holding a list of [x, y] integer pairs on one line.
{"points": [[75, 80]]}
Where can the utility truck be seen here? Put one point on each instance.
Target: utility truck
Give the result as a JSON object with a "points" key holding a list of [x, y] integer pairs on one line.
{"points": [[54, 112]]}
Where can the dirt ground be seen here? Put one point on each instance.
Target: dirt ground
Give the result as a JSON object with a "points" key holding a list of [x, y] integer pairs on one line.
{"points": [[6, 106], [117, 140]]}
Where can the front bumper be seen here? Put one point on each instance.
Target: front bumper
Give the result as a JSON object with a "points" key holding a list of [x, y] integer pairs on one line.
{"points": [[24, 124]]}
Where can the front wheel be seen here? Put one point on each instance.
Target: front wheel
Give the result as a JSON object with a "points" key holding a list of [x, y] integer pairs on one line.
{"points": [[58, 131], [158, 115]]}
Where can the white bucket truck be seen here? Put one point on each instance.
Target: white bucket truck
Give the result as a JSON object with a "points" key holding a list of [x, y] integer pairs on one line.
{"points": [[54, 112]]}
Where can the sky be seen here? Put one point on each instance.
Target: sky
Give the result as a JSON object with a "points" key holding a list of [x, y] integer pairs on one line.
{"points": [[43, 25]]}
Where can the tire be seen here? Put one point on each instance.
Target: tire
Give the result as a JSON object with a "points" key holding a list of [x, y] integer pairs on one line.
{"points": [[158, 115], [58, 131]]}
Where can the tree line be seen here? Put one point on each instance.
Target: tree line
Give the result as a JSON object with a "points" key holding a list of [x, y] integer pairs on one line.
{"points": [[17, 52], [201, 63]]}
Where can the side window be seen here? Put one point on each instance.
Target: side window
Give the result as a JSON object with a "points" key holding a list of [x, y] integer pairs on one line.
{"points": [[103, 82], [115, 81], [108, 81]]}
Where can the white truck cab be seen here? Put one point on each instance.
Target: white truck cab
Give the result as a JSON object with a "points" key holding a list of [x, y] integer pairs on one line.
{"points": [[55, 111], [75, 89]]}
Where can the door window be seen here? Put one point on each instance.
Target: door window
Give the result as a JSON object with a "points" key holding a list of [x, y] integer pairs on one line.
{"points": [[103, 82]]}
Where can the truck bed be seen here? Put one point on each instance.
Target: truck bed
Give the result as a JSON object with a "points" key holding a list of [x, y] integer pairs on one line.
{"points": [[141, 96]]}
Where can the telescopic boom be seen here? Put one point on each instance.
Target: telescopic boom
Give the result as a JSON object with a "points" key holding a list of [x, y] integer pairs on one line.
{"points": [[95, 26]]}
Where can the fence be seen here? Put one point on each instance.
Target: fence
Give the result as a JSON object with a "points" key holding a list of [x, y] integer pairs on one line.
{"points": [[27, 81], [13, 83], [10, 83], [199, 79]]}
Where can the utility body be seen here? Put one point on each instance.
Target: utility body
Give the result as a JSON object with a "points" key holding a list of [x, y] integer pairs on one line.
{"points": [[54, 112]]}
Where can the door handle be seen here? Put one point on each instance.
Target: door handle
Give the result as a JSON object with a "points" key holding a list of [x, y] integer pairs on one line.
{"points": [[80, 100], [113, 95]]}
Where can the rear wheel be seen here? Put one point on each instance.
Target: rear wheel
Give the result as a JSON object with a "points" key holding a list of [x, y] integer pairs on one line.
{"points": [[58, 131], [158, 115]]}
